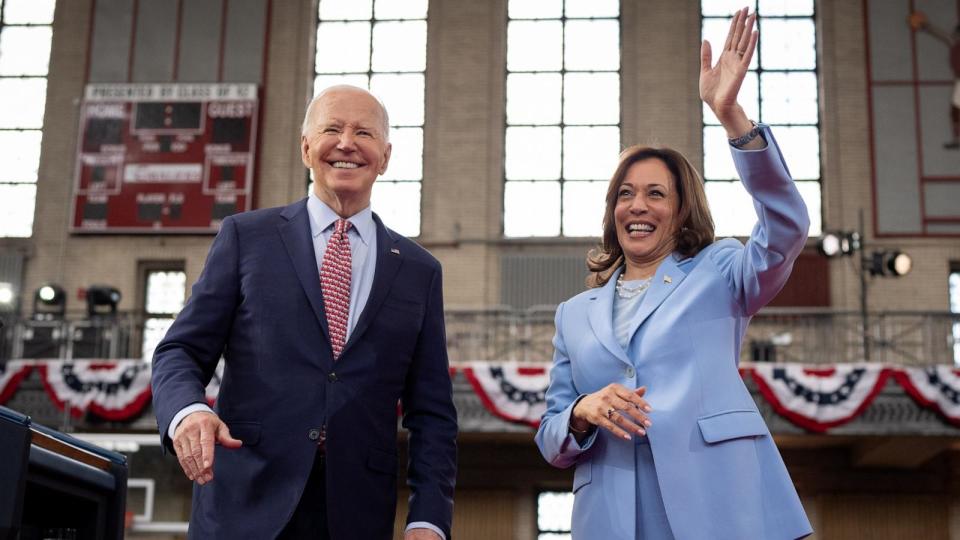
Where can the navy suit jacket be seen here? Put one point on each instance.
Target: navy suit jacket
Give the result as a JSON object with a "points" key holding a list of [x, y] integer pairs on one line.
{"points": [[258, 304]]}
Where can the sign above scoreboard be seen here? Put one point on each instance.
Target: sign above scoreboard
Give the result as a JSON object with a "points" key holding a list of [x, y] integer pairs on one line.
{"points": [[164, 158]]}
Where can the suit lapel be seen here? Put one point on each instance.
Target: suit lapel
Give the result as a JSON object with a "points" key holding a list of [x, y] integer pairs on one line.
{"points": [[389, 259], [600, 315], [295, 233], [665, 281]]}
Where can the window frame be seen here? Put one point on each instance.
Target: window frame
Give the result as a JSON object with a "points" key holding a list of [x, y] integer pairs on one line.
{"points": [[146, 268], [369, 73], [759, 71], [562, 72], [536, 514], [21, 130]]}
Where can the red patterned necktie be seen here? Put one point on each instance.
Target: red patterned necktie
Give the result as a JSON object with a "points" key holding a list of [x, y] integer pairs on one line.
{"points": [[335, 283]]}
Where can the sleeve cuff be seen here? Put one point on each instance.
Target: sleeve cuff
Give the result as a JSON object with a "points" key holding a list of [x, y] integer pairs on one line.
{"points": [[571, 440], [426, 525], [177, 418]]}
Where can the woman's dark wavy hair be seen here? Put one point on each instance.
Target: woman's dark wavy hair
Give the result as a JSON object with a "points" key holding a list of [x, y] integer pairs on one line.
{"points": [[696, 224]]}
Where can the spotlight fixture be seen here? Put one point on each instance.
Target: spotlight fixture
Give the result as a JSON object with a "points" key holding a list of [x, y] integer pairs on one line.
{"points": [[889, 263], [48, 293], [49, 302], [877, 262], [829, 245], [837, 243], [102, 300], [6, 296], [893, 263]]}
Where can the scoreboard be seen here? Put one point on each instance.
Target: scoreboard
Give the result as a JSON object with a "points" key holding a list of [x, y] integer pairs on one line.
{"points": [[164, 158]]}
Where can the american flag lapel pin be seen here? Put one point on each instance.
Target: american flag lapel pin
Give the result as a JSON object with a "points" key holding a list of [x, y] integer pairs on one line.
{"points": [[395, 251]]}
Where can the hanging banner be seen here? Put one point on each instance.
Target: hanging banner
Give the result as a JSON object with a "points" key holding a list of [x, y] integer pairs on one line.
{"points": [[937, 387], [213, 389], [114, 390], [822, 397], [11, 374], [815, 398], [513, 392]]}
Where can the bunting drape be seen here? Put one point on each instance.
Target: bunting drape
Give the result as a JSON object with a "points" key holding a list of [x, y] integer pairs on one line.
{"points": [[817, 398]]}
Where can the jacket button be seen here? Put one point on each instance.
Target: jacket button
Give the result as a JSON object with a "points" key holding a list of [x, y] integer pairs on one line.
{"points": [[332, 377], [630, 372], [313, 434]]}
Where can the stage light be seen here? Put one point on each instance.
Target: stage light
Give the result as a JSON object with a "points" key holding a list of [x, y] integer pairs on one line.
{"points": [[852, 243], [49, 302], [47, 293], [6, 295], [829, 245], [102, 300], [837, 243], [890, 263]]}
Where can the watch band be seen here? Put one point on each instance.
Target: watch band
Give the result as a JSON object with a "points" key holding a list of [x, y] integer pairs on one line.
{"points": [[742, 140]]}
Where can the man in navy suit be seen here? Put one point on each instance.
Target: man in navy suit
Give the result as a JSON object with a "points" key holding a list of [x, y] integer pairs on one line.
{"points": [[302, 441]]}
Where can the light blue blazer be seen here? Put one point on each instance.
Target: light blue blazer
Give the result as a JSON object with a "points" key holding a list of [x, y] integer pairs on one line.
{"points": [[719, 472]]}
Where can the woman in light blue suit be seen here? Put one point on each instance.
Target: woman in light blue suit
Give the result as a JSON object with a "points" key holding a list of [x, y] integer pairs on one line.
{"points": [[645, 398]]}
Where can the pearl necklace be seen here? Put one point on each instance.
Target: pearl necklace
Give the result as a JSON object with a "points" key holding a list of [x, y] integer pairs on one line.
{"points": [[629, 292]]}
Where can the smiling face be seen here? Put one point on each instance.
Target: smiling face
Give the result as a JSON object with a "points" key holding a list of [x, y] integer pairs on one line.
{"points": [[345, 144], [646, 215]]}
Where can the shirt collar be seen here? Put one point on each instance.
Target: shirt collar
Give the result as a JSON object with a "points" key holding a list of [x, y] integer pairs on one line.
{"points": [[323, 217]]}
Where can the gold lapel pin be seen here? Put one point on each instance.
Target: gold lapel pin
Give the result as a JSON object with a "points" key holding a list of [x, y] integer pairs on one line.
{"points": [[667, 279], [395, 251]]}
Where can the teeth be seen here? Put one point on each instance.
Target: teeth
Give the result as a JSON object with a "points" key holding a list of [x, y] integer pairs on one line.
{"points": [[641, 227], [344, 165]]}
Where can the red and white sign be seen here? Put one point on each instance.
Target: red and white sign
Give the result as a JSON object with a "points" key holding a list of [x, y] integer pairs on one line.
{"points": [[162, 158]]}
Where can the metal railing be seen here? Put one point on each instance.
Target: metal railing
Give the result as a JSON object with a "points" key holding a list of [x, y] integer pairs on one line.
{"points": [[775, 334], [73, 336], [500, 334], [505, 334], [821, 336]]}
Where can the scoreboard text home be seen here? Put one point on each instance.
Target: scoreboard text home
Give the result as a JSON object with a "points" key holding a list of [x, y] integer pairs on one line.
{"points": [[156, 158]]}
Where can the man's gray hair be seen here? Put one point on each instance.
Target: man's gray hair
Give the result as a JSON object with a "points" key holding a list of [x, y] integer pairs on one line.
{"points": [[307, 116]]}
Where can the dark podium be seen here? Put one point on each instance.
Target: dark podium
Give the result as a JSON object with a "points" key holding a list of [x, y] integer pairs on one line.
{"points": [[55, 486]]}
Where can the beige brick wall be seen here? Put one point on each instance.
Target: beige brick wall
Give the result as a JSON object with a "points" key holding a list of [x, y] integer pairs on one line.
{"points": [[77, 261], [463, 150], [463, 146], [847, 175]]}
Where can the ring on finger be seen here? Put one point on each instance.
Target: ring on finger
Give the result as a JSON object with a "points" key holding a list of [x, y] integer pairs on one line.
{"points": [[610, 412]]}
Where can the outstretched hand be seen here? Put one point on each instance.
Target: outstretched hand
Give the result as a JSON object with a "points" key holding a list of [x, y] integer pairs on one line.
{"points": [[720, 83], [194, 440]]}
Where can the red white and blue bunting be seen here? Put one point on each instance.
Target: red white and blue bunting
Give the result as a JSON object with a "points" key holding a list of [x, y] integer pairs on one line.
{"points": [[819, 398], [514, 392], [112, 390], [116, 390], [816, 398], [213, 389], [937, 387], [11, 374]]}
